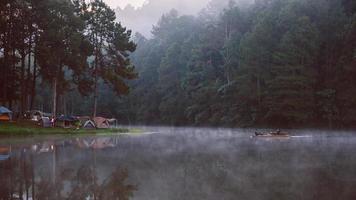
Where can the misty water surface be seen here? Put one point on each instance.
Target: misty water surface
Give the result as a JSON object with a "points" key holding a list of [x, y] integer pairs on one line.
{"points": [[180, 164]]}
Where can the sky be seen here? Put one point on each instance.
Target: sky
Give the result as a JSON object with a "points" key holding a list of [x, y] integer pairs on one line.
{"points": [[146, 13], [122, 3]]}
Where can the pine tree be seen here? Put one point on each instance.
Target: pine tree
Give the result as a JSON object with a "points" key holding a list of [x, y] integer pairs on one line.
{"points": [[111, 44], [59, 45], [290, 91]]}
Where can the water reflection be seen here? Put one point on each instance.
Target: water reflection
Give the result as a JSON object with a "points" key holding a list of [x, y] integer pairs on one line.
{"points": [[179, 164], [36, 171]]}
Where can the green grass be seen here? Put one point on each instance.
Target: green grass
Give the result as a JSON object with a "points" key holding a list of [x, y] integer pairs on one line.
{"points": [[27, 129]]}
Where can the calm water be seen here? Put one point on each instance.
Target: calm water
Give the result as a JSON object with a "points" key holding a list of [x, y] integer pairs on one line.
{"points": [[169, 164]]}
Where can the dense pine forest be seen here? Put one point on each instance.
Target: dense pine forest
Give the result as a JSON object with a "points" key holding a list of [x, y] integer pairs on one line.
{"points": [[51, 48], [273, 63], [289, 63]]}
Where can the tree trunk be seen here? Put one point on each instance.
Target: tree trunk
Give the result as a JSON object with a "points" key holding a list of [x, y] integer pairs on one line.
{"points": [[7, 50], [64, 103], [28, 81], [22, 81], [13, 70], [259, 90], [54, 98], [11, 178], [95, 83], [4, 74], [21, 180], [99, 44], [33, 178], [25, 178], [33, 90], [10, 104], [227, 56], [95, 96]]}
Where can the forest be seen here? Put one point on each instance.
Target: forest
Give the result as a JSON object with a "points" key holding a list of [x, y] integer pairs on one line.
{"points": [[50, 48], [271, 63], [274, 63]]}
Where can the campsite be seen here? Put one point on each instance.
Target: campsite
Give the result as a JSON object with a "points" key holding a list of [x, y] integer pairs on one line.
{"points": [[177, 99], [37, 122]]}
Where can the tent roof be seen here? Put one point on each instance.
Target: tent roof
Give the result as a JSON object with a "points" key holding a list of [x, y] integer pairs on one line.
{"points": [[89, 122], [67, 118], [43, 114], [100, 120], [4, 157], [4, 110], [83, 119]]}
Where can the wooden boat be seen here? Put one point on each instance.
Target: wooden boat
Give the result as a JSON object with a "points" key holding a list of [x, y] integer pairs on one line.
{"points": [[276, 134]]}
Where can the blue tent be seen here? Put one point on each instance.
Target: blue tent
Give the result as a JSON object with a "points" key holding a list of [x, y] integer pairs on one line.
{"points": [[67, 118], [66, 121], [5, 114], [4, 110], [4, 157]]}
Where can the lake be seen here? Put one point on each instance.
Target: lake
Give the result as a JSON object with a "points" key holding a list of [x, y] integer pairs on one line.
{"points": [[180, 164]]}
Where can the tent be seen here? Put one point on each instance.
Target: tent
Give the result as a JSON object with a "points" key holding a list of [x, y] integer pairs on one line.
{"points": [[113, 123], [5, 114], [66, 122], [86, 122], [45, 122], [36, 115], [89, 125], [101, 122], [102, 143]]}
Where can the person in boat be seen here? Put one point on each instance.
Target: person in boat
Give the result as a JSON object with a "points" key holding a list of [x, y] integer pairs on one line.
{"points": [[274, 133], [277, 132], [258, 134]]}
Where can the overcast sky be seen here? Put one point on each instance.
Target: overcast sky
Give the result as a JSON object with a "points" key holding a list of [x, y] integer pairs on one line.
{"points": [[122, 3], [148, 12]]}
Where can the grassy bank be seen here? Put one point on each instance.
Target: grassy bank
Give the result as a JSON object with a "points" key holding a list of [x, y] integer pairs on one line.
{"points": [[26, 129]]}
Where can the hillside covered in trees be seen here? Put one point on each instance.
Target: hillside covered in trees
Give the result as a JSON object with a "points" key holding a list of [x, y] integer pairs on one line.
{"points": [[289, 63], [275, 63]]}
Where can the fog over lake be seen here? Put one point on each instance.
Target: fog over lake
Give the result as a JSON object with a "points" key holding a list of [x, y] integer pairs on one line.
{"points": [[123, 99], [185, 163]]}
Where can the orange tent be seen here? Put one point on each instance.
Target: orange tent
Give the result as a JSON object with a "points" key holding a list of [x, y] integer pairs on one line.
{"points": [[5, 114], [101, 122]]}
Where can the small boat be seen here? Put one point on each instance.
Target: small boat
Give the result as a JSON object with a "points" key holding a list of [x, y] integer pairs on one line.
{"points": [[275, 134]]}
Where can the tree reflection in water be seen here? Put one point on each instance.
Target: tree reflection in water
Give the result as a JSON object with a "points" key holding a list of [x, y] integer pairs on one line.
{"points": [[19, 181]]}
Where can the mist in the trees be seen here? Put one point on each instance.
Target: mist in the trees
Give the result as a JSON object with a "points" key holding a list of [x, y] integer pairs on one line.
{"points": [[229, 70], [142, 19], [272, 63]]}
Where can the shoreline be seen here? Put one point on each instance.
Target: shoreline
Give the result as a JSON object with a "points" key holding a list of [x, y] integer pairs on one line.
{"points": [[14, 128]]}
